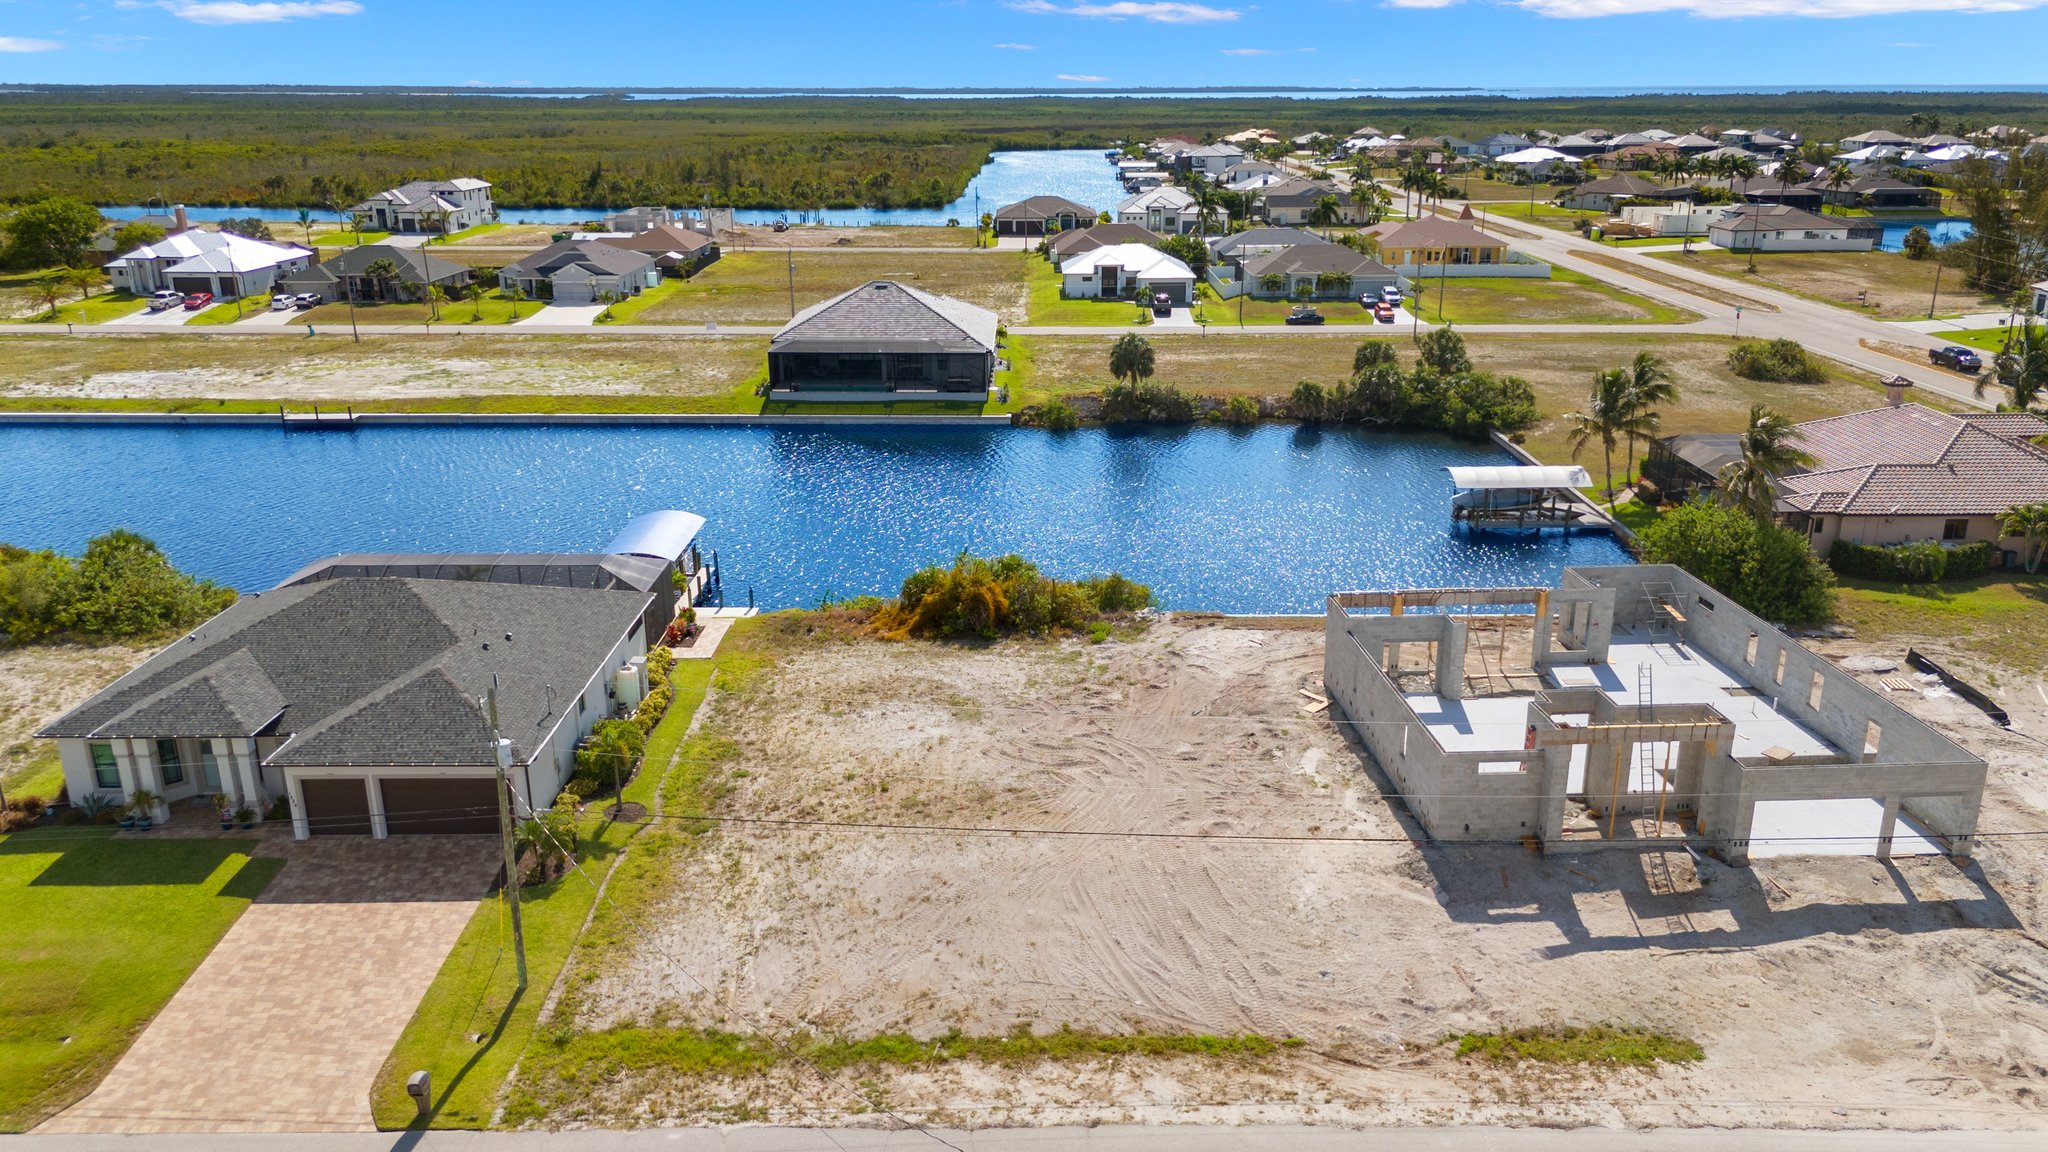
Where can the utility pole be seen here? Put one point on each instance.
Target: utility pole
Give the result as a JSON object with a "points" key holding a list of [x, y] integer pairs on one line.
{"points": [[1934, 299], [501, 754], [791, 254]]}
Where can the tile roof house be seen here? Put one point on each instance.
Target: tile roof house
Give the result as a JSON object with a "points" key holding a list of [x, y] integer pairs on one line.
{"points": [[885, 338], [1877, 192], [353, 690], [431, 206], [1693, 142], [222, 263], [1039, 215], [1069, 244], [1433, 245], [1259, 241], [1292, 201], [674, 248], [1877, 136], [1896, 474], [1781, 228], [345, 276], [1119, 271], [580, 272], [1604, 194]]}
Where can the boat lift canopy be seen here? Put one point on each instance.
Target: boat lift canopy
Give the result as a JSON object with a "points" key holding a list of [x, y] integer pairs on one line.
{"points": [[1497, 477]]}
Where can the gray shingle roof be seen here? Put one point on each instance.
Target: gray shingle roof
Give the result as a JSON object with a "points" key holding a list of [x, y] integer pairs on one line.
{"points": [[371, 671], [1314, 259], [1224, 247], [1079, 240], [413, 264], [591, 254], [885, 312], [1044, 208]]}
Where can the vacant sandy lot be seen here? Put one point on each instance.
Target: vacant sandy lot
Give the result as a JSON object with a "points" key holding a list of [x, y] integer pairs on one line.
{"points": [[1833, 993], [38, 684]]}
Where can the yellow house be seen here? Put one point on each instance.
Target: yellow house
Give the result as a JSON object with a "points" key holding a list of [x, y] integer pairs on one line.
{"points": [[1414, 244]]}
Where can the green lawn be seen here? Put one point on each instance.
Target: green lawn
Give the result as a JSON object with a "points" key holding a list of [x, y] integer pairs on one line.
{"points": [[1998, 618], [628, 311], [766, 287], [1990, 340], [226, 312], [476, 991], [1347, 312], [1543, 212], [96, 310], [98, 933], [31, 768], [465, 233], [494, 307], [344, 238], [1048, 307], [1568, 297]]}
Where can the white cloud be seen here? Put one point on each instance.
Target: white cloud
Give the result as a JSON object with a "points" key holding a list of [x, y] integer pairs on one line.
{"points": [[1735, 9], [1017, 47], [267, 12], [1083, 78], [1249, 52], [25, 44], [1156, 11]]}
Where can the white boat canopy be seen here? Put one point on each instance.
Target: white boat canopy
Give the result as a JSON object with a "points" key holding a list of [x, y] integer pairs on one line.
{"points": [[1496, 477], [663, 535]]}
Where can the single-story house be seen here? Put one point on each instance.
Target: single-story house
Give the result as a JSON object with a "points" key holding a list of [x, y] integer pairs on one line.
{"points": [[1778, 228], [1876, 136], [1675, 219], [1313, 271], [1693, 143], [1168, 211], [1891, 475], [1580, 144], [1066, 245], [1118, 271], [1293, 201], [1877, 192], [1211, 159], [431, 206], [1237, 247], [885, 337], [581, 271], [1236, 172], [227, 265], [1604, 194], [1638, 157], [1420, 246], [172, 223], [1501, 143], [1039, 215], [674, 248], [1535, 162], [355, 689], [345, 276], [1769, 190]]}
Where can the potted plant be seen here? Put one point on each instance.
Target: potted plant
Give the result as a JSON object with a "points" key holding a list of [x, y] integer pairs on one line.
{"points": [[127, 818], [221, 809], [245, 816], [143, 803]]}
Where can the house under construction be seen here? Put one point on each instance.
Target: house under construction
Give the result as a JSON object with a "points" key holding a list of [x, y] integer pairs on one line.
{"points": [[1631, 704]]}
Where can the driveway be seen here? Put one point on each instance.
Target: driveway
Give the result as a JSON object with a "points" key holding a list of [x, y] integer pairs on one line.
{"points": [[168, 318], [269, 318], [1180, 318], [565, 315], [406, 239], [285, 1025]]}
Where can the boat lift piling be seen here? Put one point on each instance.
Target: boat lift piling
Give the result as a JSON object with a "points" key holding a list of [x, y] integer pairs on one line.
{"points": [[1518, 496]]}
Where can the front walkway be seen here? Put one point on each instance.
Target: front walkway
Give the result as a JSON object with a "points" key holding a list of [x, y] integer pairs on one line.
{"points": [[285, 1025]]}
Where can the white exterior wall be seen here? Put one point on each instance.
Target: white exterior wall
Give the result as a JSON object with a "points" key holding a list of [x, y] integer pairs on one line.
{"points": [[1879, 531], [1678, 220], [1731, 235]]}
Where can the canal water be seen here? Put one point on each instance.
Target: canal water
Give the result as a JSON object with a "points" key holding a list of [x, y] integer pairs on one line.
{"points": [[1083, 175], [1268, 519]]}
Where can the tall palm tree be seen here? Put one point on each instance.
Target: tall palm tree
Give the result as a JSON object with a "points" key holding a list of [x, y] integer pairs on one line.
{"points": [[1650, 383], [84, 280], [1131, 358], [306, 223], [1839, 177], [436, 296], [2023, 366], [1413, 178], [382, 272], [1767, 452], [476, 293], [1605, 419], [1325, 214]]}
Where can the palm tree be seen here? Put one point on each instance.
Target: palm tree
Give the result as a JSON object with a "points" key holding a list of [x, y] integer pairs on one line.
{"points": [[1373, 199], [1767, 453], [382, 272], [1413, 178], [306, 222], [1605, 420], [550, 835], [356, 221], [1325, 214], [1839, 177], [84, 280], [513, 294], [607, 299], [436, 296], [2030, 523], [2023, 365], [1650, 383], [476, 293], [50, 287], [1131, 358]]}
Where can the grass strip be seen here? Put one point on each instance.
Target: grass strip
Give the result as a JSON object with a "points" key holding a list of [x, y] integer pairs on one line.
{"points": [[1601, 1044], [473, 1025], [99, 934]]}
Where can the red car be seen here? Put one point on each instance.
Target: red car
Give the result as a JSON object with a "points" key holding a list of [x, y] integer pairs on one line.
{"points": [[1383, 312], [198, 300]]}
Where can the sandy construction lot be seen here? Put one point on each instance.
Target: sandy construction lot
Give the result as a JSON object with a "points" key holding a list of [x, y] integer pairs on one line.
{"points": [[1832, 993]]}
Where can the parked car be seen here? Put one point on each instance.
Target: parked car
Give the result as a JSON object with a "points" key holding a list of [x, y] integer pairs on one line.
{"points": [[1960, 359], [282, 302], [306, 300], [1391, 295], [1303, 314], [165, 298], [1162, 304], [198, 300], [1383, 312]]}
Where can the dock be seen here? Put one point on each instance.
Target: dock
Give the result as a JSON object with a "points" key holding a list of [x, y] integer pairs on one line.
{"points": [[316, 420]]}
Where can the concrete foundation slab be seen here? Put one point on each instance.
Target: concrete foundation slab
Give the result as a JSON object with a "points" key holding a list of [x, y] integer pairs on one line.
{"points": [[1831, 828]]}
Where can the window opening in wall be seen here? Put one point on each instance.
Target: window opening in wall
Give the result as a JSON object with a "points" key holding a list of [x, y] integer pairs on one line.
{"points": [[1749, 653], [169, 764], [1813, 692], [1778, 676], [1873, 738], [104, 771], [1954, 529]]}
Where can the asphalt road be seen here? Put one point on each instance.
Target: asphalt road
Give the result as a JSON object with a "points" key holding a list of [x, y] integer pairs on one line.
{"points": [[1108, 1138]]}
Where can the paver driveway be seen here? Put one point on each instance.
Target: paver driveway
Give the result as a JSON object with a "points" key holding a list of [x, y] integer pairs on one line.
{"points": [[285, 1024]]}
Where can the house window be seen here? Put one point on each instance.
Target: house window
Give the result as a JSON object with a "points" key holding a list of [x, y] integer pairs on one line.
{"points": [[168, 763], [1955, 529], [105, 773]]}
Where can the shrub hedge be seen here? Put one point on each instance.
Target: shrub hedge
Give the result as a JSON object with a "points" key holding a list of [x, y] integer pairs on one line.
{"points": [[1776, 360], [1924, 562], [614, 747], [984, 597]]}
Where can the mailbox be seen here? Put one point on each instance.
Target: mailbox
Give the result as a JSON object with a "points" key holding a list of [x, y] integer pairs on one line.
{"points": [[420, 1087]]}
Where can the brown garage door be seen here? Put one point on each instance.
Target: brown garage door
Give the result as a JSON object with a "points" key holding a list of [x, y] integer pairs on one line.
{"points": [[336, 806], [440, 805]]}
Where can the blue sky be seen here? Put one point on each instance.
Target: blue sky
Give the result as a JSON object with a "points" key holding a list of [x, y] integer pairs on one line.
{"points": [[1652, 44]]}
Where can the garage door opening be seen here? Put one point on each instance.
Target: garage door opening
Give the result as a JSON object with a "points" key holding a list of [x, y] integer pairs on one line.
{"points": [[336, 806], [440, 806], [1832, 828]]}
